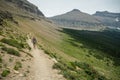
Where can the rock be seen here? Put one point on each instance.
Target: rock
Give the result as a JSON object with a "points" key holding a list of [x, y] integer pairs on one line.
{"points": [[5, 15], [21, 75], [54, 60], [78, 68], [2, 52], [16, 72], [12, 56], [0, 78]]}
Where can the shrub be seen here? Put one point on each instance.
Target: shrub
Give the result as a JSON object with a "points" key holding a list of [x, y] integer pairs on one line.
{"points": [[60, 66], [13, 43], [18, 65], [66, 71], [71, 75], [47, 52], [0, 59], [11, 51], [5, 73], [26, 52], [1, 44], [0, 65], [83, 72], [53, 55], [90, 71], [10, 60]]}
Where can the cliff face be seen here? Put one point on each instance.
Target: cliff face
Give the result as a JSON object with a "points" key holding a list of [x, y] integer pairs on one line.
{"points": [[9, 8], [108, 18], [107, 14], [27, 6]]}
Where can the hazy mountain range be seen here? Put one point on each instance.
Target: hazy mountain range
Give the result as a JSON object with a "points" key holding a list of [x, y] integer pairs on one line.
{"points": [[76, 18]]}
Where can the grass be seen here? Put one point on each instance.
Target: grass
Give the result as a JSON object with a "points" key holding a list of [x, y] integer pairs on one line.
{"points": [[26, 53], [0, 65], [72, 47], [13, 43], [78, 71], [18, 65], [1, 44], [76, 45], [100, 62], [5, 73], [1, 59], [106, 41], [53, 55], [10, 59], [11, 51]]}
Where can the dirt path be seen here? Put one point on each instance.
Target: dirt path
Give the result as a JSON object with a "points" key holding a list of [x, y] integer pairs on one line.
{"points": [[43, 65]]}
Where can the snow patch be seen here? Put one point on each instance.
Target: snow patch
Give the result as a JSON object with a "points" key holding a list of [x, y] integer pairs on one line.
{"points": [[116, 19]]}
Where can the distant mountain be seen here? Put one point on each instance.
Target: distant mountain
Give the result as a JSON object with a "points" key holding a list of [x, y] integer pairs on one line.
{"points": [[108, 18], [75, 18]]}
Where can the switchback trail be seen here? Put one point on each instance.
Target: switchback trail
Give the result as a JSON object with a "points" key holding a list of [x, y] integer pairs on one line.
{"points": [[43, 65]]}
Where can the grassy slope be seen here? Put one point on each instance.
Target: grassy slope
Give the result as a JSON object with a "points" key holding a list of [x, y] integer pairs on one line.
{"points": [[66, 46], [47, 34], [84, 45], [10, 53]]}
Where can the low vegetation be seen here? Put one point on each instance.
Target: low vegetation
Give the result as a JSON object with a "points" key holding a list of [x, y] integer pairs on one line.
{"points": [[0, 65], [18, 65], [0, 59], [5, 73], [78, 71], [11, 51], [90, 48], [13, 43], [5, 15], [53, 55], [106, 41]]}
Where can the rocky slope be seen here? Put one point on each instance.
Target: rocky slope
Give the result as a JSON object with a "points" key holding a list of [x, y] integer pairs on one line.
{"points": [[27, 6], [20, 7], [108, 18]]}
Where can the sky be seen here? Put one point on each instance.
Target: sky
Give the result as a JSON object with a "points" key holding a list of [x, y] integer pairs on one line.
{"points": [[56, 7]]}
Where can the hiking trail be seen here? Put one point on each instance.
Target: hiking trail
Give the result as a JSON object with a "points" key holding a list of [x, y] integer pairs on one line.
{"points": [[42, 65]]}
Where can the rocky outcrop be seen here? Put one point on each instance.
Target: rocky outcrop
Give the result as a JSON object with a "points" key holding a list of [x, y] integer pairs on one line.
{"points": [[108, 18], [107, 14], [27, 6], [5, 15]]}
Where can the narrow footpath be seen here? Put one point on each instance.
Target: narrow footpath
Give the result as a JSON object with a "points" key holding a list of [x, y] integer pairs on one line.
{"points": [[43, 65]]}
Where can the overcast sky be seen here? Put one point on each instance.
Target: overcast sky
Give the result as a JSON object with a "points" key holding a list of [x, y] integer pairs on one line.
{"points": [[56, 7]]}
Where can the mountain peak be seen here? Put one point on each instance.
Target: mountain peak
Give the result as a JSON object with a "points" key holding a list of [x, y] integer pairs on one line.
{"points": [[76, 10]]}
